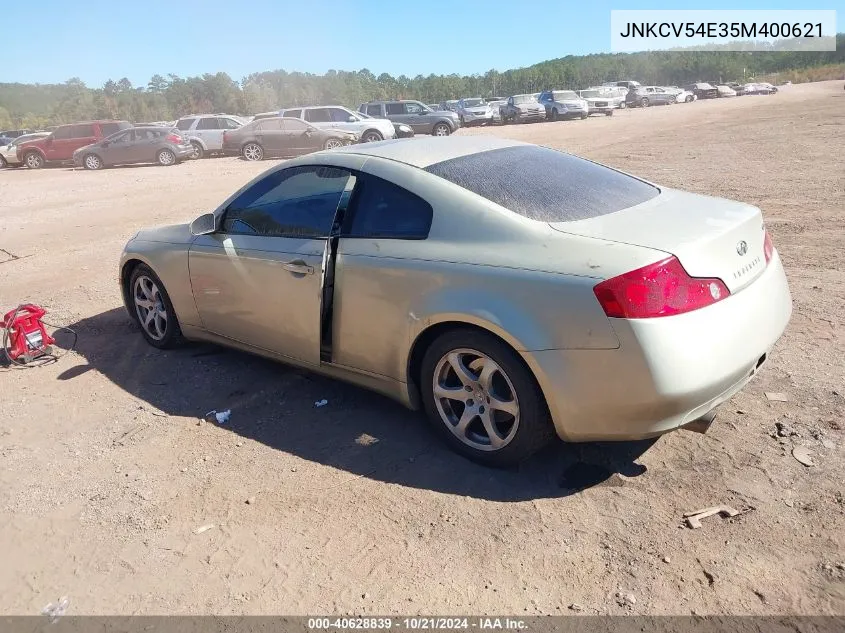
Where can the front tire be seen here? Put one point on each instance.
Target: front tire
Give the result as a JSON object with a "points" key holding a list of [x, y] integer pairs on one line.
{"points": [[372, 136], [333, 143], [92, 162], [198, 152], [166, 158], [644, 102], [483, 400], [33, 160], [441, 129], [622, 105], [153, 310], [252, 152], [3, 163], [609, 113]]}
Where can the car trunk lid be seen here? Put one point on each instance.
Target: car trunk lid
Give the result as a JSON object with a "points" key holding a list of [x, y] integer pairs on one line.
{"points": [[711, 237]]}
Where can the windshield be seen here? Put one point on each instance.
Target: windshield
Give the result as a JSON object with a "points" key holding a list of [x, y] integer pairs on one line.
{"points": [[473, 103], [523, 98], [590, 93], [563, 95]]}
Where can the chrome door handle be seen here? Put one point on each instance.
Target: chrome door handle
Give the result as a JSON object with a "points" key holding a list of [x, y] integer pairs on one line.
{"points": [[299, 267]]}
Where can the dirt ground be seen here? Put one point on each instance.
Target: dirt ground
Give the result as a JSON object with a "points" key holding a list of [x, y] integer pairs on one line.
{"points": [[106, 474]]}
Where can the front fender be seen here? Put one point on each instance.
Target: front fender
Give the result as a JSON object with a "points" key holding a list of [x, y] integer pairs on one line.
{"points": [[198, 141]]}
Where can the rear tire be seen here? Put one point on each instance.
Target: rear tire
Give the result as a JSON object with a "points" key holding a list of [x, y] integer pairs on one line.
{"points": [[622, 105], [521, 431], [3, 163], [609, 113], [252, 152], [199, 152], [33, 160], [644, 102], [92, 162], [166, 158], [584, 116]]}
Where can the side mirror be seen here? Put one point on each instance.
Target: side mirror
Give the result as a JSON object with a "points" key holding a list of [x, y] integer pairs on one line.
{"points": [[204, 225], [351, 119]]}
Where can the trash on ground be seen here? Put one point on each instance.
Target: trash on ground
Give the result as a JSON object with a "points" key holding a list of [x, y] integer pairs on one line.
{"points": [[694, 518], [776, 396], [221, 417], [204, 528], [366, 440], [56, 609], [785, 430], [321, 403], [804, 455], [250, 501], [625, 599], [575, 607]]}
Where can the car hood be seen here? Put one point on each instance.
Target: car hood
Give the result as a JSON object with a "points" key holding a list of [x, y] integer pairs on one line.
{"points": [[169, 234], [528, 106], [82, 149], [477, 110]]}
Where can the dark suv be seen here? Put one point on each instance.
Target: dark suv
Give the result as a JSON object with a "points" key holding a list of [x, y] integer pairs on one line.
{"points": [[418, 116], [65, 140]]}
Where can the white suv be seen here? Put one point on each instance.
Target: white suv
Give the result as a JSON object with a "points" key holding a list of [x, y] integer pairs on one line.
{"points": [[205, 131], [338, 117]]}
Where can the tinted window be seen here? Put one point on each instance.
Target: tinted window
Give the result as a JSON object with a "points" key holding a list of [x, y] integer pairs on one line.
{"points": [[228, 124], [208, 123], [270, 124], [339, 116], [298, 202], [318, 115], [374, 110], [111, 128], [146, 135], [382, 209], [185, 124], [121, 137], [295, 125], [62, 132], [292, 114], [413, 108], [543, 184], [395, 108], [82, 131]]}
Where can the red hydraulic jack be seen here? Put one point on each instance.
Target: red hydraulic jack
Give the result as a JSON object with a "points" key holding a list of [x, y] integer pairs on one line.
{"points": [[24, 334]]}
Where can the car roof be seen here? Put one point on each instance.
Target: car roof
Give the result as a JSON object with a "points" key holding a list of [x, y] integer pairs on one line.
{"points": [[428, 150]]}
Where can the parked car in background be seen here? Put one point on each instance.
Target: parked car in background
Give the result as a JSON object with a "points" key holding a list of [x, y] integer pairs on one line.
{"points": [[61, 143], [283, 137], [402, 130], [646, 96], [448, 106], [522, 109], [739, 89], [622, 84], [702, 90], [601, 101], [758, 89], [539, 305], [766, 84], [725, 91], [7, 136], [563, 104], [495, 106], [265, 115], [474, 111], [415, 115], [149, 144], [9, 153], [433, 106], [681, 95], [205, 131], [340, 118]]}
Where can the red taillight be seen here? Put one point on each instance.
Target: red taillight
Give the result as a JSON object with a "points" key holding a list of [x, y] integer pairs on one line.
{"points": [[768, 246], [657, 290], [174, 138]]}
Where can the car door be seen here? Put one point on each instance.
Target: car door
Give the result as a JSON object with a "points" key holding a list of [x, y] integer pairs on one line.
{"points": [[301, 137], [208, 130], [340, 120], [116, 149], [270, 134], [418, 118], [258, 279], [318, 117], [145, 146], [373, 269]]}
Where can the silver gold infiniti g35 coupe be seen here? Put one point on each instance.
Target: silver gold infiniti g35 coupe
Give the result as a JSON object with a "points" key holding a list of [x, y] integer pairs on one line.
{"points": [[510, 290]]}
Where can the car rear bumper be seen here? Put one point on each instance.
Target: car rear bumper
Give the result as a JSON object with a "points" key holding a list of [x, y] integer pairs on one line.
{"points": [[183, 151], [477, 119], [667, 371]]}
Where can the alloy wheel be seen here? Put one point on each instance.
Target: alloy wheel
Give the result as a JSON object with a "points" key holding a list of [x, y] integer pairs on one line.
{"points": [[34, 160], [92, 161], [476, 399], [441, 129], [252, 151], [149, 306], [333, 143], [372, 137], [166, 157]]}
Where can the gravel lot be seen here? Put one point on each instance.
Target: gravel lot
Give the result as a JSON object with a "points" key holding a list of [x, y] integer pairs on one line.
{"points": [[106, 474]]}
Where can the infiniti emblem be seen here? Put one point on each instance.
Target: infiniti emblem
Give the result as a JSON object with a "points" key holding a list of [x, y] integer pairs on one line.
{"points": [[742, 247]]}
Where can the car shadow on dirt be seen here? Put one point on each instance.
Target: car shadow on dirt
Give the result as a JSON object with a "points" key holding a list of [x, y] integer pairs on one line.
{"points": [[357, 431]]}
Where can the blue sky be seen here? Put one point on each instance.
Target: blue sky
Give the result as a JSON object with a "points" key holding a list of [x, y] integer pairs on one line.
{"points": [[98, 40]]}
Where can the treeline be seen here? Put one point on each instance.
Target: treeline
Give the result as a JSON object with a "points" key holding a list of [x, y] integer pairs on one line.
{"points": [[166, 98]]}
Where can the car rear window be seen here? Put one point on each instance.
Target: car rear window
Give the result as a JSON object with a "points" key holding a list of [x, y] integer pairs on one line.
{"points": [[543, 184], [110, 128], [184, 124]]}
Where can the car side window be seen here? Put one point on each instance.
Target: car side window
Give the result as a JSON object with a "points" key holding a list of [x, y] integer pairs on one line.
{"points": [[395, 108], [208, 123], [228, 124], [266, 125], [122, 138], [413, 108], [184, 124], [381, 209], [62, 133], [292, 114], [318, 115], [338, 116], [82, 131], [299, 202], [295, 125], [374, 110]]}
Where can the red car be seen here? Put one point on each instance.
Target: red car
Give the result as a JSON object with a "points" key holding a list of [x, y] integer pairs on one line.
{"points": [[65, 140]]}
